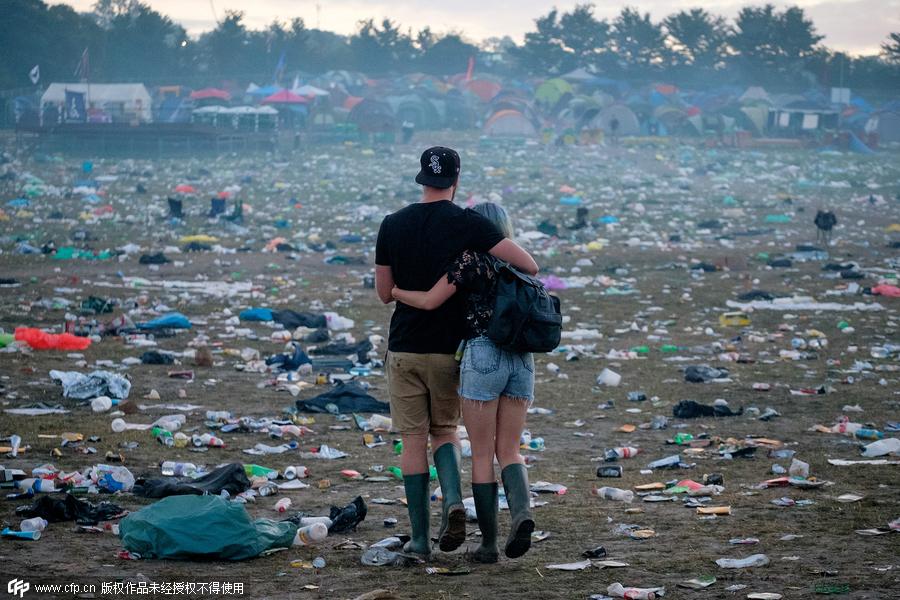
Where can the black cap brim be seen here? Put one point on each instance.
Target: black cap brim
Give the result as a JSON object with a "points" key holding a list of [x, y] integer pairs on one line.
{"points": [[443, 183]]}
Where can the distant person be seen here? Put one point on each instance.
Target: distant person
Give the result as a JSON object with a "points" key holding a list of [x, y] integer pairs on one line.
{"points": [[825, 221], [496, 387], [176, 208], [414, 247], [614, 130], [408, 128]]}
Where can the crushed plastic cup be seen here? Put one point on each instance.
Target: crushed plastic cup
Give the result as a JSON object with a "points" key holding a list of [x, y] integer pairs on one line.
{"points": [[754, 560], [612, 493], [609, 378]]}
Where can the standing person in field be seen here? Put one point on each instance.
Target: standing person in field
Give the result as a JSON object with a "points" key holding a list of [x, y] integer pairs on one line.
{"points": [[496, 387], [414, 247]]}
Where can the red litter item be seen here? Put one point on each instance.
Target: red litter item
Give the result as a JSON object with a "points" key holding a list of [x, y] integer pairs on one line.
{"points": [[39, 339]]}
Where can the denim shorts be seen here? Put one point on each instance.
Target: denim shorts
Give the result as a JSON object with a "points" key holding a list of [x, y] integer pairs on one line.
{"points": [[488, 372]]}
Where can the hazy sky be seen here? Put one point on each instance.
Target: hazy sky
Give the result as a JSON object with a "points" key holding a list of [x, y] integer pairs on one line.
{"points": [[856, 26]]}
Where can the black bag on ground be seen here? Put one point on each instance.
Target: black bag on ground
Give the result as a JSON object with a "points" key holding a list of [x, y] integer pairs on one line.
{"points": [[526, 317]]}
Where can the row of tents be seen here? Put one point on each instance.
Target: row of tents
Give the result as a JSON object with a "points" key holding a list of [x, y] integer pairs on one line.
{"points": [[578, 105]]}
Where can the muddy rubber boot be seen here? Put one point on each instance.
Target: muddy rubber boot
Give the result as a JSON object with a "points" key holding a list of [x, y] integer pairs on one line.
{"points": [[518, 496], [485, 495], [417, 505], [453, 516]]}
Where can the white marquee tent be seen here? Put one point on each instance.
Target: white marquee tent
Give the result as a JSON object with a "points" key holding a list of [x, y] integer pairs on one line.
{"points": [[122, 100]]}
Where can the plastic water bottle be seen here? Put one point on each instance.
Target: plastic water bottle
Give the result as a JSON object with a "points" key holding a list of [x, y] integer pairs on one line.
{"points": [[380, 422], [260, 471], [868, 434], [306, 521], [882, 447], [102, 404], [310, 534], [846, 427], [615, 454], [615, 494], [296, 473], [35, 524], [171, 468], [37, 484], [119, 425], [207, 440], [282, 505], [218, 415]]}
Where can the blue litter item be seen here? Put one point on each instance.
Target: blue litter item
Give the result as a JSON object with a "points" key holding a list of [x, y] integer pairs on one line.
{"points": [[92, 198], [858, 146], [351, 238], [87, 166], [18, 203], [169, 321], [607, 219], [570, 200], [256, 314], [88, 183]]}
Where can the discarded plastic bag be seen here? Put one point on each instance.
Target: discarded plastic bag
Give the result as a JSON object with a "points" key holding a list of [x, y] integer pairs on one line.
{"points": [[39, 339], [98, 383], [201, 528]]}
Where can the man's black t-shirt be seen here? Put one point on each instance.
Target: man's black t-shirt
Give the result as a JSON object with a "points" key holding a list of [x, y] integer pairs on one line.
{"points": [[419, 242]]}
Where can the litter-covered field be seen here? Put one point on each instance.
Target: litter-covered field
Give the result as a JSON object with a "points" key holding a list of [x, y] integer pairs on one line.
{"points": [[707, 334]]}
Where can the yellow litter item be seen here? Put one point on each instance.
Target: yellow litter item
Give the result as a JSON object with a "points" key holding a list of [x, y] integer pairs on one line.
{"points": [[650, 487], [734, 319], [595, 246], [714, 510], [893, 228], [200, 237]]}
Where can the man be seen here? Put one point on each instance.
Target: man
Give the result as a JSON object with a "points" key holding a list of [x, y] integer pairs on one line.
{"points": [[415, 245]]}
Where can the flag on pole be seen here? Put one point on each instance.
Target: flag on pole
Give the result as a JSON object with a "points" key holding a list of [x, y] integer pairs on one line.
{"points": [[470, 69], [35, 74], [279, 69], [83, 70]]}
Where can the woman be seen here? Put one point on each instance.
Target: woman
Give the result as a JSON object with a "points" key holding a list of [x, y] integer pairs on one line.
{"points": [[496, 387]]}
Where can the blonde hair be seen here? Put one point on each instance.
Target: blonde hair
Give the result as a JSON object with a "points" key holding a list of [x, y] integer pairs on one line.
{"points": [[497, 215]]}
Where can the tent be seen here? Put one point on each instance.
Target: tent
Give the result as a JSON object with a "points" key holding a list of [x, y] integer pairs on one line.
{"points": [[372, 116], [886, 124], [628, 121], [123, 101], [255, 90], [551, 91], [580, 75], [421, 112], [210, 94], [509, 122], [755, 95], [310, 90], [484, 89], [285, 97]]}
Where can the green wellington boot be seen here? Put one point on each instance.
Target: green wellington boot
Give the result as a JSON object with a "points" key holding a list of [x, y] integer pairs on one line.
{"points": [[485, 495], [518, 496], [417, 504], [453, 515]]}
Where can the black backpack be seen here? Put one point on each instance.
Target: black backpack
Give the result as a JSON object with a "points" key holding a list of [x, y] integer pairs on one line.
{"points": [[526, 318]]}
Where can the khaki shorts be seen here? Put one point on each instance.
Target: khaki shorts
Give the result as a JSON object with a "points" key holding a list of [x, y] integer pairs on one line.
{"points": [[423, 392]]}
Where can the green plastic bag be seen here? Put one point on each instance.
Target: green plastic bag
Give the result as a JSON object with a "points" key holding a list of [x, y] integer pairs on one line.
{"points": [[200, 528]]}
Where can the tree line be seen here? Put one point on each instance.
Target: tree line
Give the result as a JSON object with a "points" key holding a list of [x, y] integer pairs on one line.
{"points": [[129, 41]]}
